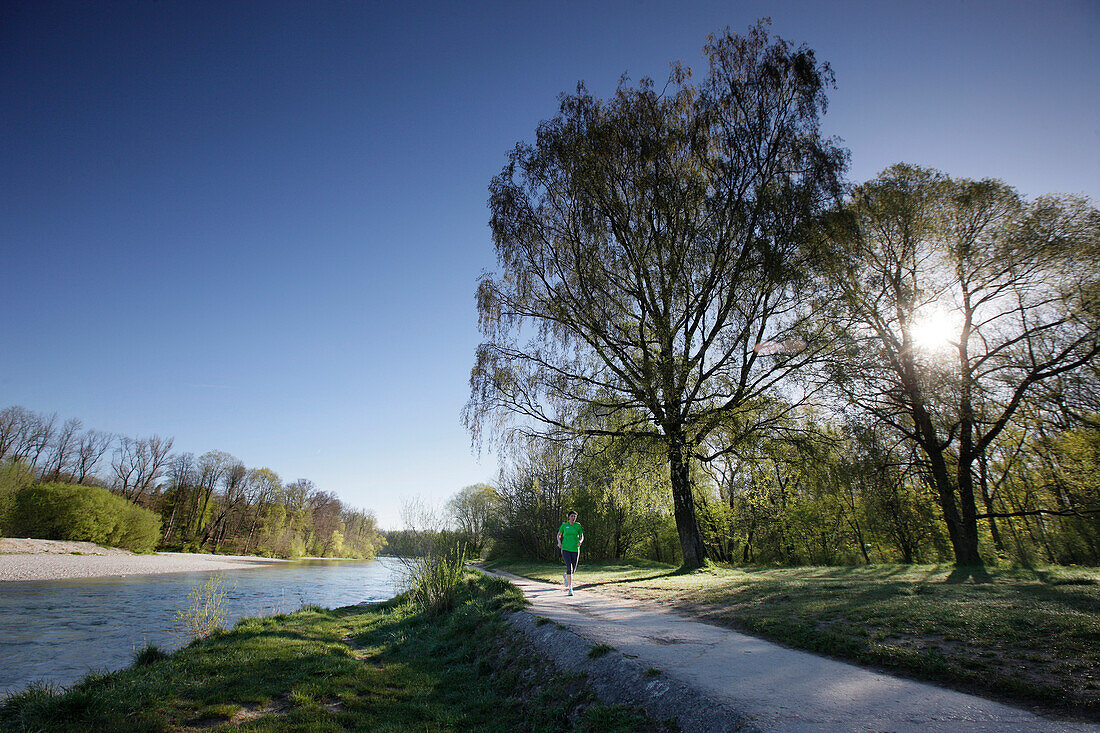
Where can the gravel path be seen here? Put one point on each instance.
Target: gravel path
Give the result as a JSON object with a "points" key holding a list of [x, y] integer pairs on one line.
{"points": [[711, 678], [26, 559]]}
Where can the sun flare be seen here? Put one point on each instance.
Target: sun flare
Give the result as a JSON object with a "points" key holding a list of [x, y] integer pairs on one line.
{"points": [[935, 330]]}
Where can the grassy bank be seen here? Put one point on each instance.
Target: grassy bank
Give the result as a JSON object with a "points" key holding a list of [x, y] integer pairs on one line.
{"points": [[1030, 636], [387, 667]]}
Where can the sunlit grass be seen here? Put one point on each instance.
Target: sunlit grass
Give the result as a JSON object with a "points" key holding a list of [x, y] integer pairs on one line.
{"points": [[1023, 634]]}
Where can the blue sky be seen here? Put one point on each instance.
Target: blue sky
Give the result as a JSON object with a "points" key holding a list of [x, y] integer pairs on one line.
{"points": [[258, 227]]}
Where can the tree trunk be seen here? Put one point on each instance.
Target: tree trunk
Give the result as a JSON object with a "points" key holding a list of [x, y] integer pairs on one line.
{"points": [[969, 536], [964, 472], [963, 531], [687, 526], [171, 526], [862, 543], [964, 544], [987, 500], [906, 548]]}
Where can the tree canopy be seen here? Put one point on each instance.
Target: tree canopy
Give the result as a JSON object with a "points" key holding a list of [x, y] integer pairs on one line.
{"points": [[957, 300], [646, 244]]}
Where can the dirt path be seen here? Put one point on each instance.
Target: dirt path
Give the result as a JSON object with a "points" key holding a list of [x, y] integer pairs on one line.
{"points": [[756, 685]]}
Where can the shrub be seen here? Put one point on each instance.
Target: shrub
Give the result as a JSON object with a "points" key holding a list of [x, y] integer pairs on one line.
{"points": [[600, 650], [435, 580], [62, 512], [14, 476], [205, 612], [138, 529], [83, 513]]}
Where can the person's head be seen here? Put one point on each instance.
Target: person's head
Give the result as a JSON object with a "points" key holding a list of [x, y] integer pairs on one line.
{"points": [[571, 516]]}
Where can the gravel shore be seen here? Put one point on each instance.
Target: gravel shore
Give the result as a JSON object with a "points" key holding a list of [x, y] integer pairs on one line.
{"points": [[28, 559]]}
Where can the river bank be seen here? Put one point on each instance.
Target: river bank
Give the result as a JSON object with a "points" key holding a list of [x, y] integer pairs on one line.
{"points": [[56, 631], [382, 666], [34, 559]]}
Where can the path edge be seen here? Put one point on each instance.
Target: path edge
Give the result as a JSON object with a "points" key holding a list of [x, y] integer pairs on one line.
{"points": [[619, 680]]}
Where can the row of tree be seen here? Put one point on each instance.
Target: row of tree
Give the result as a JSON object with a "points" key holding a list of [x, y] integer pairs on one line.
{"points": [[817, 492], [820, 367], [209, 503]]}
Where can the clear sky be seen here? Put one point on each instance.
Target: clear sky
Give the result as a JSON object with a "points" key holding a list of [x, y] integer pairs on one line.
{"points": [[258, 226]]}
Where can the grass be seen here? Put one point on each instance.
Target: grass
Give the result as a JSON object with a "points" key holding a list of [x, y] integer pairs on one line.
{"points": [[600, 650], [1028, 636], [388, 667]]}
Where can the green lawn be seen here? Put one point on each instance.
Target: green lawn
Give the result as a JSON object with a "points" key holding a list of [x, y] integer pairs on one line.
{"points": [[380, 668], [1031, 636]]}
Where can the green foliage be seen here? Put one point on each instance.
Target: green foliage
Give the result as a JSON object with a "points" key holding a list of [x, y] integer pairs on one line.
{"points": [[59, 511], [14, 477], [620, 492], [205, 612], [472, 510], [1058, 469], [411, 543], [138, 529], [214, 504], [434, 581], [854, 493]]}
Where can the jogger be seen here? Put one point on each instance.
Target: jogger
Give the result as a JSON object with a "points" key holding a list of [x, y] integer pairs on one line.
{"points": [[570, 537]]}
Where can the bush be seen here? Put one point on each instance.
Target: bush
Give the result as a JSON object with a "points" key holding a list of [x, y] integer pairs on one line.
{"points": [[435, 580], [138, 529], [83, 513], [14, 476], [206, 609]]}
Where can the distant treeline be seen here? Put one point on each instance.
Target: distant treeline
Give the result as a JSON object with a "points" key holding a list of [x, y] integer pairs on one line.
{"points": [[209, 503], [816, 493], [813, 492]]}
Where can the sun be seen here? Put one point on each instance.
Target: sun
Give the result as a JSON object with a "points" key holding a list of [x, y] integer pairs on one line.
{"points": [[935, 329]]}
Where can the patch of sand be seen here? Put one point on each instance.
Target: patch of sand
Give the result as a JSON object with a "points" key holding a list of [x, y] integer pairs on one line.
{"points": [[17, 546], [31, 559]]}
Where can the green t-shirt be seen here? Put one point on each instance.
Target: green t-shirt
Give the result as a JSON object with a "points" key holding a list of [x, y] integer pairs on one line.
{"points": [[569, 535]]}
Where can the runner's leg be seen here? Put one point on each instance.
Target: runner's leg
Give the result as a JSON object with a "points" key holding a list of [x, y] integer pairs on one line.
{"points": [[570, 559]]}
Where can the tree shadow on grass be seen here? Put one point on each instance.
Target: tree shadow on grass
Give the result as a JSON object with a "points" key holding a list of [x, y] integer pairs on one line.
{"points": [[975, 573], [626, 580]]}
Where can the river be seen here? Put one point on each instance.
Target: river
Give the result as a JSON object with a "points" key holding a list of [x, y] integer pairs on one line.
{"points": [[57, 631]]}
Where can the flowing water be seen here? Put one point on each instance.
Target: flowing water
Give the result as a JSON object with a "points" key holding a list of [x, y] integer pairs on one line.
{"points": [[57, 631]]}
